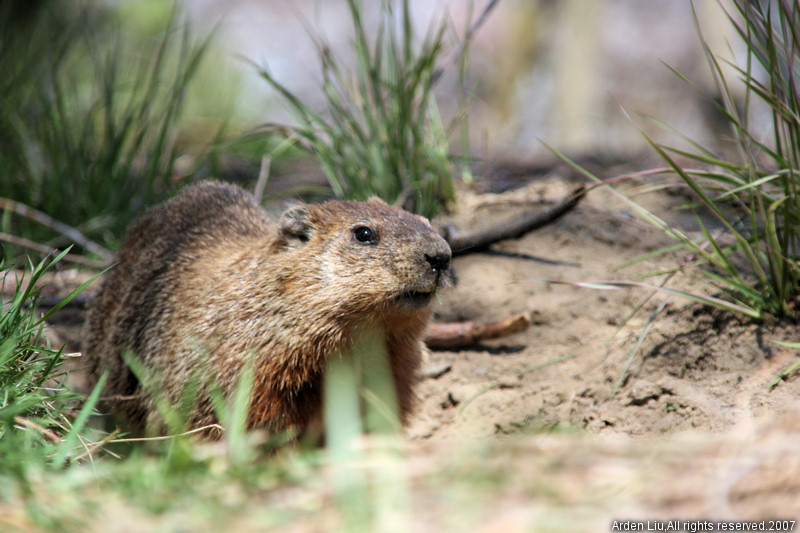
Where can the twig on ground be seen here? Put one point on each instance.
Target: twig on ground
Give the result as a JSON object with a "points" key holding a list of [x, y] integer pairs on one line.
{"points": [[46, 433], [464, 244], [456, 334], [45, 220], [217, 427], [72, 258], [94, 446]]}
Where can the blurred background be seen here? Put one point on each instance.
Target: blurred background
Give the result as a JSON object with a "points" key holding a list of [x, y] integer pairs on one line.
{"points": [[112, 104], [559, 71]]}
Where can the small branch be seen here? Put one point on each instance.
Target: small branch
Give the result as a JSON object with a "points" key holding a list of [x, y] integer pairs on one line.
{"points": [[45, 220], [263, 176], [120, 397], [456, 334], [216, 427], [46, 433], [94, 446], [45, 250], [464, 244]]}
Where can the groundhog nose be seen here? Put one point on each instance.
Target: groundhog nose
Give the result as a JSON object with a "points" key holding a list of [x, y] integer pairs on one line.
{"points": [[438, 262]]}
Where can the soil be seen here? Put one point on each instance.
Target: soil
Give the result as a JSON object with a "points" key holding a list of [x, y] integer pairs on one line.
{"points": [[665, 413], [677, 396], [585, 363]]}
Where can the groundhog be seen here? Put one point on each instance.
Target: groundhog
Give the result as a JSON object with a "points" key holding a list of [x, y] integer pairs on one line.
{"points": [[208, 279]]}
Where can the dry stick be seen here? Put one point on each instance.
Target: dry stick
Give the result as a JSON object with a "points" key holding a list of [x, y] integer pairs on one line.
{"points": [[72, 258], [263, 176], [99, 445], [48, 434], [455, 334], [168, 437], [68, 231], [513, 229]]}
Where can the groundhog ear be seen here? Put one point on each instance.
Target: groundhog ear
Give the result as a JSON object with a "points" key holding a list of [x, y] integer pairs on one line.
{"points": [[376, 200], [294, 223]]}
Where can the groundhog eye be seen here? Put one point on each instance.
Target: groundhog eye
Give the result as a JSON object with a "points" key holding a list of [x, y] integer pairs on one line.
{"points": [[364, 234]]}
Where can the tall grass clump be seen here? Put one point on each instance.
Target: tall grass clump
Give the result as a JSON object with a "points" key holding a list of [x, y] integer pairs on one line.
{"points": [[749, 196], [380, 133], [755, 196], [42, 422], [89, 112]]}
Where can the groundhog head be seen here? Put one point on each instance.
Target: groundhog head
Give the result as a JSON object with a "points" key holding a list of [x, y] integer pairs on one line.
{"points": [[367, 253]]}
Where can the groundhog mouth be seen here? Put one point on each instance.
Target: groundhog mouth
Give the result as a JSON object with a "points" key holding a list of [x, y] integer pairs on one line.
{"points": [[415, 299]]}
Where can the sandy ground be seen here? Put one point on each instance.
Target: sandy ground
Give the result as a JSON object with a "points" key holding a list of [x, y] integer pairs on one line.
{"points": [[678, 400], [591, 414], [688, 368]]}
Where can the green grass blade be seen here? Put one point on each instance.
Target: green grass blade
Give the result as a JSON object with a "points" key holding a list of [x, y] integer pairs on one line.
{"points": [[71, 439], [692, 296]]}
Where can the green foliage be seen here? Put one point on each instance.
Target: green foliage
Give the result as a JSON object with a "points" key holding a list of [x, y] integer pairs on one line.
{"points": [[750, 244], [88, 115], [359, 398], [165, 476], [42, 423], [754, 197], [380, 134], [793, 367]]}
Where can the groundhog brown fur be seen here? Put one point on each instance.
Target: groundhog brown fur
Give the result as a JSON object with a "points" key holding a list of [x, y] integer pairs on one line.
{"points": [[208, 277]]}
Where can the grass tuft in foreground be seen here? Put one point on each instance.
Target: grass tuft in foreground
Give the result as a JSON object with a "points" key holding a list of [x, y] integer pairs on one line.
{"points": [[42, 423], [58, 475]]}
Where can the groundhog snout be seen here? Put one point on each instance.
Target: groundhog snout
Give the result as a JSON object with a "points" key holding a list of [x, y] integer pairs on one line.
{"points": [[440, 263], [437, 255]]}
